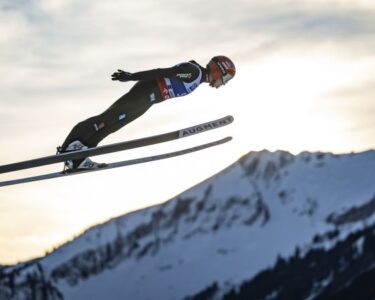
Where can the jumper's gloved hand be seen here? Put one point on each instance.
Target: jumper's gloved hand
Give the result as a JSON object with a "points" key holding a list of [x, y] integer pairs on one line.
{"points": [[121, 75]]}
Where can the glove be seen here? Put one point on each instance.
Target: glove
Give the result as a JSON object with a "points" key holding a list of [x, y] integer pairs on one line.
{"points": [[121, 75]]}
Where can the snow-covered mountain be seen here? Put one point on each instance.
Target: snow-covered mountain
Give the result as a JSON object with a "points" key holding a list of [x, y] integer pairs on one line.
{"points": [[262, 227]]}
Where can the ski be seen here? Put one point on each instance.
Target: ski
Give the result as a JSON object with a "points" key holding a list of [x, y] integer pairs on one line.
{"points": [[146, 141], [117, 164]]}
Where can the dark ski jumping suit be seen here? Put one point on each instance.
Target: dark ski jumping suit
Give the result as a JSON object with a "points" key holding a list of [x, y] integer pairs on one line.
{"points": [[153, 86]]}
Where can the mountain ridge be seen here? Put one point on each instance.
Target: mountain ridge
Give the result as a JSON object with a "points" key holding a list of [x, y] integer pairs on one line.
{"points": [[250, 208]]}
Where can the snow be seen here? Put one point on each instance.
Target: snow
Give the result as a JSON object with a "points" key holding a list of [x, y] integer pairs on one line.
{"points": [[359, 245], [227, 228]]}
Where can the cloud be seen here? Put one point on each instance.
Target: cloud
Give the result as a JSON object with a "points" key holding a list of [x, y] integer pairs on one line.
{"points": [[359, 100], [148, 28], [62, 46]]}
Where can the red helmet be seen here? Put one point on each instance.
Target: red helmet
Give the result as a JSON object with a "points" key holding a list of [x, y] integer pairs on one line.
{"points": [[222, 68]]}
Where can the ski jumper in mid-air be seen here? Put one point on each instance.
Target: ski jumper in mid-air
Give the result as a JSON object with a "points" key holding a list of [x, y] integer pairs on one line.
{"points": [[153, 86]]}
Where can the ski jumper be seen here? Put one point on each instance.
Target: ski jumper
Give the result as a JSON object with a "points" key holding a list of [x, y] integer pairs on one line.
{"points": [[153, 86]]}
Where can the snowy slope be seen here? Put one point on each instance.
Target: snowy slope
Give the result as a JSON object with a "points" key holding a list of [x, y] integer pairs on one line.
{"points": [[224, 230]]}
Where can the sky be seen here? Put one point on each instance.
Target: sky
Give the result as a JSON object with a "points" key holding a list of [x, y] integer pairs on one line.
{"points": [[304, 82]]}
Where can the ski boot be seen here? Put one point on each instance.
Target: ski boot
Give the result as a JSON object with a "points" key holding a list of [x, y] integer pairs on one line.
{"points": [[78, 164]]}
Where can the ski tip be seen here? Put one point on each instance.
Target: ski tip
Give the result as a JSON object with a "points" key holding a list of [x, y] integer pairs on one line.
{"points": [[226, 139], [230, 118], [227, 120]]}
